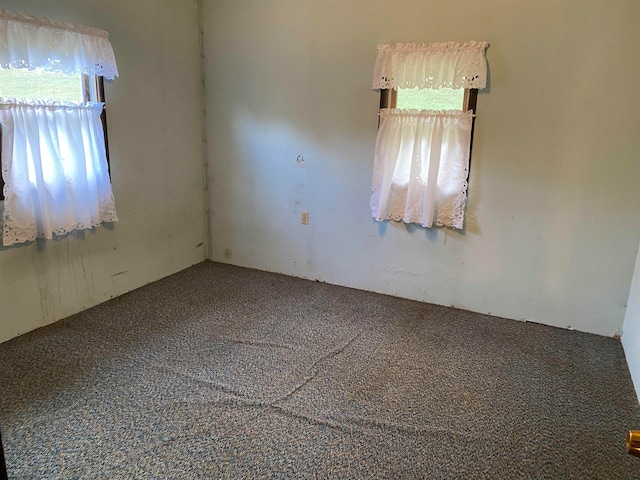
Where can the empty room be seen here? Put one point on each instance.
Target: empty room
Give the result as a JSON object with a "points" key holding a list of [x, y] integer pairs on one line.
{"points": [[319, 239]]}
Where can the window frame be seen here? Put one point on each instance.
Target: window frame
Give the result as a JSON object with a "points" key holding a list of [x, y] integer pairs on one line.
{"points": [[92, 91]]}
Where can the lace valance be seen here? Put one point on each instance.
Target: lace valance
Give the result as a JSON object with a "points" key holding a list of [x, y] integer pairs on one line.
{"points": [[30, 42], [434, 65]]}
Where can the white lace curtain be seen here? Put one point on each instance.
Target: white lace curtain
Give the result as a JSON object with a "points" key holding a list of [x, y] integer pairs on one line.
{"points": [[421, 161], [54, 162], [30, 42], [55, 170], [434, 65], [421, 167]]}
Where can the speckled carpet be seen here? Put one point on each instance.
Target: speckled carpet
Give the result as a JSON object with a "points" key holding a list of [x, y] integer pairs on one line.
{"points": [[224, 372]]}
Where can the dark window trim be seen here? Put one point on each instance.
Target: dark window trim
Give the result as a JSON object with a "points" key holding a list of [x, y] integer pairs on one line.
{"points": [[1, 177], [470, 102], [97, 88], [388, 98], [99, 85], [471, 99]]}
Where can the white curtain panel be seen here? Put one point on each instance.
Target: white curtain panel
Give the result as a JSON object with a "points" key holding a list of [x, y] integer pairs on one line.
{"points": [[32, 42], [55, 169], [421, 166], [434, 65]]}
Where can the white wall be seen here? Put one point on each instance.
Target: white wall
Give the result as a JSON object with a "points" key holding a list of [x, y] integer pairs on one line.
{"points": [[553, 221], [631, 329], [154, 121]]}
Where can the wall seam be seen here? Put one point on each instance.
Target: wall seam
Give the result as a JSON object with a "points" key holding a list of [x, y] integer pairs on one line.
{"points": [[203, 135]]}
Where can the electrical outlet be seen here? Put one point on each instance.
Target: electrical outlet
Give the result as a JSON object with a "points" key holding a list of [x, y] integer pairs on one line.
{"points": [[304, 218]]}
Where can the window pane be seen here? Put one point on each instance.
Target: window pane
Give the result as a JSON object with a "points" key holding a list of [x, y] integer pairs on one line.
{"points": [[430, 99], [38, 84]]}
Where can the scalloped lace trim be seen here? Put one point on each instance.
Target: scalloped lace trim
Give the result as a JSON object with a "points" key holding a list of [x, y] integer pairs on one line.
{"points": [[18, 229], [449, 212], [28, 233]]}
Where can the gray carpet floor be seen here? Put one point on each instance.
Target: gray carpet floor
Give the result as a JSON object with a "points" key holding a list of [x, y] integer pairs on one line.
{"points": [[225, 372]]}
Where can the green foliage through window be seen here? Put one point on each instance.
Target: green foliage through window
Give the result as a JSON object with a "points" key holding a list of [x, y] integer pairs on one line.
{"points": [[41, 85], [430, 99]]}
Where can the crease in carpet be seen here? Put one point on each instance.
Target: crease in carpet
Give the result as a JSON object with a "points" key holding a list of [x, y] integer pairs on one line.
{"points": [[225, 372]]}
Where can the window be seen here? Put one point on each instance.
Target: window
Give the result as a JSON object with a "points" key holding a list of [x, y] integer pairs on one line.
{"points": [[39, 84], [54, 148], [427, 105], [429, 99]]}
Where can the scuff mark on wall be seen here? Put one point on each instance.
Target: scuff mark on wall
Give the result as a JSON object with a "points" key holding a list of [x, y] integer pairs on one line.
{"points": [[87, 275]]}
